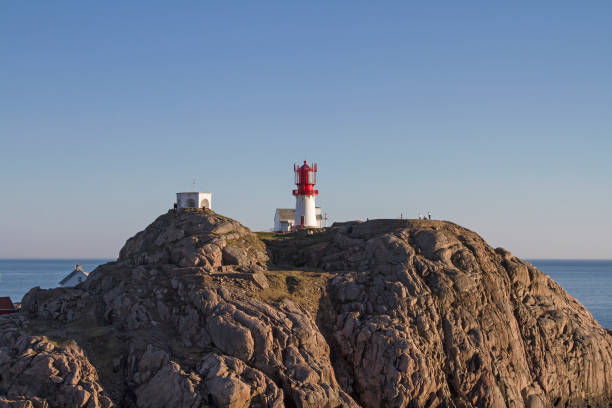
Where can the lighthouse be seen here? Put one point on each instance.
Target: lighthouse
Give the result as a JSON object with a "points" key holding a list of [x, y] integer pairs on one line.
{"points": [[305, 180]]}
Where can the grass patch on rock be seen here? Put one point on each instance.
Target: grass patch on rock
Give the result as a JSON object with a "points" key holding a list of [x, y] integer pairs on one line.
{"points": [[304, 286]]}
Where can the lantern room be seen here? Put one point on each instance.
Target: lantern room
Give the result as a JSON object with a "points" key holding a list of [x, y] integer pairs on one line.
{"points": [[305, 179]]}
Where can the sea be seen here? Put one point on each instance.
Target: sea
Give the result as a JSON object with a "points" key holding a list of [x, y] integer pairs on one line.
{"points": [[589, 281], [18, 276]]}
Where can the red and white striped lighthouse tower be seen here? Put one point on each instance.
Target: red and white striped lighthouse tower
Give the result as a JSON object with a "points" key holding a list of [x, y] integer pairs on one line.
{"points": [[305, 179]]}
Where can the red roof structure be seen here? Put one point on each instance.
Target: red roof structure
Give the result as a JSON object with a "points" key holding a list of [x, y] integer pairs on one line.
{"points": [[305, 179], [6, 306]]}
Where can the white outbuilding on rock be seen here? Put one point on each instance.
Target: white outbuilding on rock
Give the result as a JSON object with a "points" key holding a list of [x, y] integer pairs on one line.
{"points": [[74, 278], [194, 199], [284, 219]]}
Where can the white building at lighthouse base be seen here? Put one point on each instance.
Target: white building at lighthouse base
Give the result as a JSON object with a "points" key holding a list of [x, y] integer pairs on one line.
{"points": [[284, 219]]}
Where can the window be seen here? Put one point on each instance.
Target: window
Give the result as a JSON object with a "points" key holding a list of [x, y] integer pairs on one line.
{"points": [[312, 177]]}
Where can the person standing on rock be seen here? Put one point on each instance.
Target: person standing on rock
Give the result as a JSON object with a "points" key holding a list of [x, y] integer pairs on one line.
{"points": [[420, 216], [429, 214]]}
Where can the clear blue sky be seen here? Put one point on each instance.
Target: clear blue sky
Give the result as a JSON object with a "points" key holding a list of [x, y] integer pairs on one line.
{"points": [[495, 115]]}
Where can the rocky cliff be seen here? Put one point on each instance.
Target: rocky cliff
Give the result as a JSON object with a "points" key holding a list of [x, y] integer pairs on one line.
{"points": [[200, 312]]}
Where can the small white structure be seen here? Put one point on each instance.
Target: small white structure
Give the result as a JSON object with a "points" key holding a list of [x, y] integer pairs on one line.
{"points": [[284, 219], [74, 278], [194, 200]]}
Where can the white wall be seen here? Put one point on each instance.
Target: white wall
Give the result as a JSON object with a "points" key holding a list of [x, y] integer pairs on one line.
{"points": [[281, 226], [182, 199], [202, 197], [305, 206]]}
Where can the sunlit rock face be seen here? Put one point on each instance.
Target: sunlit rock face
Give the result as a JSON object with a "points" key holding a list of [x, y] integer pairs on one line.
{"points": [[198, 311]]}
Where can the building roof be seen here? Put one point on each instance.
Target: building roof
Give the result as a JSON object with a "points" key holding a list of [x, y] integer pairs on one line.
{"points": [[77, 270], [6, 304], [285, 214]]}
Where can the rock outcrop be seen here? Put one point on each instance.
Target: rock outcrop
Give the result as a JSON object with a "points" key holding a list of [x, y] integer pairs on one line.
{"points": [[200, 312], [36, 372], [428, 314]]}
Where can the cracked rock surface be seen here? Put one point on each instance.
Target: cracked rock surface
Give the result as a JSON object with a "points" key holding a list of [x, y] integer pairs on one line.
{"points": [[198, 311]]}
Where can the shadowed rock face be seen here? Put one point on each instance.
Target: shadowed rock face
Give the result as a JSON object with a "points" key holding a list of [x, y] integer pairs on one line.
{"points": [[35, 372], [199, 312]]}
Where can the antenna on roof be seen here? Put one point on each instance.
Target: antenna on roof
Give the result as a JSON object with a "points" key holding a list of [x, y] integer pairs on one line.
{"points": [[194, 185]]}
